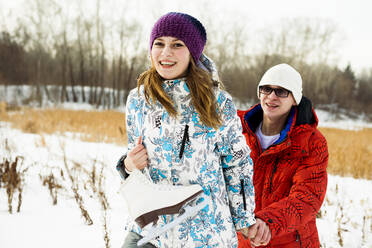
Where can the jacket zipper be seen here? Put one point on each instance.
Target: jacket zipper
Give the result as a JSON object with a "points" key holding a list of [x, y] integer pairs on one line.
{"points": [[298, 238], [272, 174], [184, 139], [243, 193]]}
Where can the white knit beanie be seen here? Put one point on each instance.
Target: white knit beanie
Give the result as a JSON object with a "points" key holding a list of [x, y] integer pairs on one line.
{"points": [[285, 76]]}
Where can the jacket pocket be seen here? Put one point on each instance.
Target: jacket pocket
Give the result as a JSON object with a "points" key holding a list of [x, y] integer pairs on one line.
{"points": [[243, 193], [298, 238]]}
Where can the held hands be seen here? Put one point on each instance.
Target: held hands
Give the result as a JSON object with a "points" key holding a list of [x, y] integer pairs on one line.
{"points": [[259, 234], [137, 157]]}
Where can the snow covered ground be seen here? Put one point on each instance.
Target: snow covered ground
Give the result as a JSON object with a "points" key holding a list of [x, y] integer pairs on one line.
{"points": [[42, 224], [345, 219]]}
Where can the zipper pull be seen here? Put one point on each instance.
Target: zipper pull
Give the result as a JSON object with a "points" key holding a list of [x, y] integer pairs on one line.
{"points": [[184, 139]]}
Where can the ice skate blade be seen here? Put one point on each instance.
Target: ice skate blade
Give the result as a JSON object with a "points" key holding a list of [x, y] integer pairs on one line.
{"points": [[156, 231]]}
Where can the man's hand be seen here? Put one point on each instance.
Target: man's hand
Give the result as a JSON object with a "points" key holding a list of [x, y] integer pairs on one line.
{"points": [[244, 231], [137, 157], [259, 233]]}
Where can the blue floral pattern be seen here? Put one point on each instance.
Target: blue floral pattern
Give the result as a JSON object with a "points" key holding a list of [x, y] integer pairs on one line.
{"points": [[218, 160]]}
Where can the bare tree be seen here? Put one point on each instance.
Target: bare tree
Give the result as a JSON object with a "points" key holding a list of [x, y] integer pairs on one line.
{"points": [[82, 71]]}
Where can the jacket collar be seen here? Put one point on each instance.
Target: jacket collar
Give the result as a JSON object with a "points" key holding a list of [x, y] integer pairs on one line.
{"points": [[176, 87]]}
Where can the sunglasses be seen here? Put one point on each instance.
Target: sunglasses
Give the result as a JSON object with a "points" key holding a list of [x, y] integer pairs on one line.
{"points": [[279, 92]]}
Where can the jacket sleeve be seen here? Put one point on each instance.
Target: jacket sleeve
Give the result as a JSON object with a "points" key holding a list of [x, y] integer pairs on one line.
{"points": [[236, 164], [306, 194], [132, 115]]}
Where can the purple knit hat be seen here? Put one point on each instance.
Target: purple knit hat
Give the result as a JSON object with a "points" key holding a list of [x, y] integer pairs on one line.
{"points": [[184, 27]]}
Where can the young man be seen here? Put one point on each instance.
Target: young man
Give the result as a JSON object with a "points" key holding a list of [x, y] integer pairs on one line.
{"points": [[290, 158]]}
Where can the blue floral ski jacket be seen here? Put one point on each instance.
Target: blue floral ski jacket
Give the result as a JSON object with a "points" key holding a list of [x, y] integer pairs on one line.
{"points": [[183, 151]]}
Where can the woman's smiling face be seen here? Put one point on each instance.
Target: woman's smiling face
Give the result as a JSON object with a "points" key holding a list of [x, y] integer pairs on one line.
{"points": [[170, 56]]}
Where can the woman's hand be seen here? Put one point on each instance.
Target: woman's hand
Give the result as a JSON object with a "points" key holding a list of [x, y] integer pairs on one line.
{"points": [[259, 233], [137, 157]]}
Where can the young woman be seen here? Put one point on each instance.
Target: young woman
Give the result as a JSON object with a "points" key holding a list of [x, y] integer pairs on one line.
{"points": [[290, 158], [183, 129]]}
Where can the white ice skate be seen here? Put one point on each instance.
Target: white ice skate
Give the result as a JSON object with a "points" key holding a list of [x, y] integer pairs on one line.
{"points": [[146, 201]]}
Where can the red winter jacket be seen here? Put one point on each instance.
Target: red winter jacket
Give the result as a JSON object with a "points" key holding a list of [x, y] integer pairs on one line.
{"points": [[290, 177]]}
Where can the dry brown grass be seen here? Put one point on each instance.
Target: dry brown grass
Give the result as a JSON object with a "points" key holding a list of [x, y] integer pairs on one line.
{"points": [[94, 126], [50, 181], [12, 179], [350, 152]]}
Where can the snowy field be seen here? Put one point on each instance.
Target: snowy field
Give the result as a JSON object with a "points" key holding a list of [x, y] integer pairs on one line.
{"points": [[344, 220]]}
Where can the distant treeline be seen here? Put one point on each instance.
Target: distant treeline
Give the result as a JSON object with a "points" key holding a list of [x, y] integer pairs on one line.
{"points": [[80, 53], [68, 67]]}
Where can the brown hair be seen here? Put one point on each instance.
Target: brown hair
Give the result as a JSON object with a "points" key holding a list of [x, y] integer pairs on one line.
{"points": [[201, 87]]}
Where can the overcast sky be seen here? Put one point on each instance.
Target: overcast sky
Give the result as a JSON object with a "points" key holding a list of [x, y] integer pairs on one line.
{"points": [[353, 18]]}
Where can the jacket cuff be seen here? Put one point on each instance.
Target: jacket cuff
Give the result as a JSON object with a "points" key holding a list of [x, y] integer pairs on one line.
{"points": [[270, 221], [120, 167], [245, 221]]}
